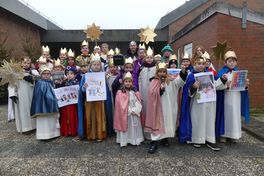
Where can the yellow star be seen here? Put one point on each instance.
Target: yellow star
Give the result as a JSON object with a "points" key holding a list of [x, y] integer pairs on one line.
{"points": [[149, 35], [141, 36], [219, 50], [93, 32]]}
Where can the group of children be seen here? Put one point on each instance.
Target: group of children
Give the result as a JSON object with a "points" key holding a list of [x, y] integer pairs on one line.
{"points": [[143, 100]]}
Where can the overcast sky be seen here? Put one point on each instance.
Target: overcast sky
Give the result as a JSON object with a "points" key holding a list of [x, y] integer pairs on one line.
{"points": [[108, 14]]}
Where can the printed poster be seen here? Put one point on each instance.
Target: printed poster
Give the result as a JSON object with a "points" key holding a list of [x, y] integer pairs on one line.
{"points": [[67, 95], [238, 82], [173, 72], [96, 89], [206, 91]]}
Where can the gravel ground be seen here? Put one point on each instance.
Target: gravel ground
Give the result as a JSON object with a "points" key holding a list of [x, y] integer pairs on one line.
{"points": [[22, 154]]}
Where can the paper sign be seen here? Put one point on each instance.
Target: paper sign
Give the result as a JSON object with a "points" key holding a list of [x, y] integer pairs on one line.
{"points": [[67, 95], [96, 89], [206, 91], [238, 82], [173, 72]]}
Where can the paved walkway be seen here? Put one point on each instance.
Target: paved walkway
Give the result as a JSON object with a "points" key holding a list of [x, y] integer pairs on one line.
{"points": [[23, 155]]}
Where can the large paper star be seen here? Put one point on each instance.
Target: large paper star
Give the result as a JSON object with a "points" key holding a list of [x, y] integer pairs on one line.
{"points": [[219, 50], [149, 35], [142, 38], [93, 32]]}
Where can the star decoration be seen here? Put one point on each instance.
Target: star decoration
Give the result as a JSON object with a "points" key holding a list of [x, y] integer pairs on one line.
{"points": [[93, 32], [149, 35], [219, 50], [10, 73], [141, 36]]}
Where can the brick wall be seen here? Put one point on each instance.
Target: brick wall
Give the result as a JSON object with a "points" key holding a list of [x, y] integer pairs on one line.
{"points": [[253, 5], [17, 29], [179, 24], [247, 43]]}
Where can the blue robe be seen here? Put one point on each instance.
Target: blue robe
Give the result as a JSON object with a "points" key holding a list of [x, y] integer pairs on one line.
{"points": [[185, 128], [220, 108], [44, 101]]}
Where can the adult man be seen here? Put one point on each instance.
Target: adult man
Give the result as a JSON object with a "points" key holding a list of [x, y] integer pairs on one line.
{"points": [[132, 51]]}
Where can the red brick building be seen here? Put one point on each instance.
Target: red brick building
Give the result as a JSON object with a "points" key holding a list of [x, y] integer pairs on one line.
{"points": [[240, 23]]}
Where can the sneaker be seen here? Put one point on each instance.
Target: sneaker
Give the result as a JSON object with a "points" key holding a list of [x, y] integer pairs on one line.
{"points": [[152, 147], [197, 145], [212, 146]]}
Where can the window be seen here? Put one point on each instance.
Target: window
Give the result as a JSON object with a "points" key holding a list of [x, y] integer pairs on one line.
{"points": [[188, 49]]}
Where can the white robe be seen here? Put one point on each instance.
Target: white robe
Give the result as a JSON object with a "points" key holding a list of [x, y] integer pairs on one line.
{"points": [[10, 111], [169, 103], [203, 118], [48, 127], [143, 81], [134, 133], [24, 93], [232, 113]]}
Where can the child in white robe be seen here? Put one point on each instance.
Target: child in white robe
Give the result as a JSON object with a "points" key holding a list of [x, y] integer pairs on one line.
{"points": [[162, 108], [127, 121], [232, 102], [203, 115], [44, 107]]}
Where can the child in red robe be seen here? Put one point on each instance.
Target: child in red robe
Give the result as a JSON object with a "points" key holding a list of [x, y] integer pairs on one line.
{"points": [[69, 114]]}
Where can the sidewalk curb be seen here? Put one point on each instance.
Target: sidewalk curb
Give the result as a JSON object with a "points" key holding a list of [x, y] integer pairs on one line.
{"points": [[255, 129]]}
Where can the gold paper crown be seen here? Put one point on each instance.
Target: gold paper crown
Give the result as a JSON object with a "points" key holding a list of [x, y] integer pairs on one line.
{"points": [[157, 55], [205, 55], [229, 54], [129, 61], [173, 57], [57, 63], [111, 52], [142, 46], [128, 75], [95, 57], [70, 53], [162, 66], [45, 49], [63, 51], [44, 68], [84, 43], [149, 52], [42, 59], [186, 56], [97, 47], [117, 51]]}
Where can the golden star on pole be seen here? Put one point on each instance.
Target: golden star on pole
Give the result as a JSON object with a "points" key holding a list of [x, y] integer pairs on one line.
{"points": [[93, 32], [142, 38], [149, 35], [219, 50]]}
